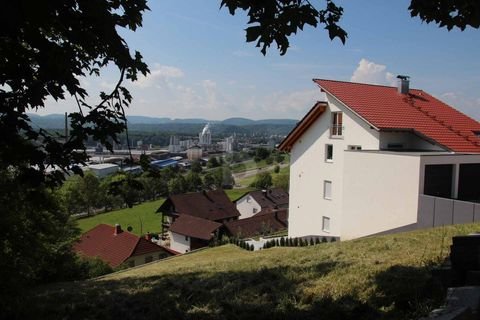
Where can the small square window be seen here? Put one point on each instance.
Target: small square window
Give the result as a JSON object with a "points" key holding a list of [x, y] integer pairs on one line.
{"points": [[187, 238], [326, 224], [329, 152], [254, 210], [327, 189]]}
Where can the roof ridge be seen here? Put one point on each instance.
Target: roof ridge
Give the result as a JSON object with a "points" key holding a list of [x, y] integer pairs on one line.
{"points": [[361, 83]]}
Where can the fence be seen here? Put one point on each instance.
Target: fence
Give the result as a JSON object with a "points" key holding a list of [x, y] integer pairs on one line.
{"points": [[435, 211]]}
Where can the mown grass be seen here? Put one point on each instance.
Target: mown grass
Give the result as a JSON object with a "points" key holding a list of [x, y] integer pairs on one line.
{"points": [[141, 218], [385, 277], [234, 194]]}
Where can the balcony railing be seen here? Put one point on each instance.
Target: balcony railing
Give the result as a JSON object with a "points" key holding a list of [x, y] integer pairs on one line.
{"points": [[336, 130]]}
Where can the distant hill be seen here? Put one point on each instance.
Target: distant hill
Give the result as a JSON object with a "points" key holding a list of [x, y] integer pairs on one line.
{"points": [[152, 124]]}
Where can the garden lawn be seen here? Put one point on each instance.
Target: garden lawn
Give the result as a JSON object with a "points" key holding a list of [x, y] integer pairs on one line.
{"points": [[141, 218]]}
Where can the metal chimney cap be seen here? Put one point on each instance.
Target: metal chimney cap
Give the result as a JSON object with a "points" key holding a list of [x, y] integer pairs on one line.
{"points": [[403, 77]]}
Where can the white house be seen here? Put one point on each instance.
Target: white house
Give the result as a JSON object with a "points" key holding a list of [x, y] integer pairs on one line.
{"points": [[374, 159], [253, 202]]}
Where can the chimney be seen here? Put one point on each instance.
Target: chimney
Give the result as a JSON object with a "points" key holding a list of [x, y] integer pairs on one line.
{"points": [[148, 236], [403, 84], [118, 229]]}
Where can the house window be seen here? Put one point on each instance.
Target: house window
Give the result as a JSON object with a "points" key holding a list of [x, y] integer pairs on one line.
{"points": [[329, 152], [254, 210], [326, 224], [187, 238], [327, 189], [354, 147], [148, 259], [336, 129]]}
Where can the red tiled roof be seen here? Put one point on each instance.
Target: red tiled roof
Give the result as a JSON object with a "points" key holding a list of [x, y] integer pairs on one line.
{"points": [[102, 242], [386, 109], [212, 205], [194, 227], [275, 197], [266, 220]]}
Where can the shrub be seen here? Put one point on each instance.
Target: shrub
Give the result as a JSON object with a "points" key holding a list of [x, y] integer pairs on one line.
{"points": [[312, 242]]}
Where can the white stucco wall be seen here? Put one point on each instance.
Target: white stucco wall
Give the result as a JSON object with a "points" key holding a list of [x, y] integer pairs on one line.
{"points": [[246, 206], [178, 242], [309, 170], [138, 260], [380, 192]]}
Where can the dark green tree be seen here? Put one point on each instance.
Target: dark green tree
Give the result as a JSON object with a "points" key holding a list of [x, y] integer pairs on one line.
{"points": [[262, 180], [196, 166], [194, 181]]}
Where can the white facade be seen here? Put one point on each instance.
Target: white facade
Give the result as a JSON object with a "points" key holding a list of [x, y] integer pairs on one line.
{"points": [[194, 153], [247, 206], [309, 167], [179, 242], [361, 190], [103, 169]]}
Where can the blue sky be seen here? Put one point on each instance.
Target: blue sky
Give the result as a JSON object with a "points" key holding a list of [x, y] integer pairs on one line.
{"points": [[201, 65]]}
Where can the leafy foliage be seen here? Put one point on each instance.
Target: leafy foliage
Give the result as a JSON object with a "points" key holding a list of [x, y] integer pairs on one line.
{"points": [[275, 20], [448, 14]]}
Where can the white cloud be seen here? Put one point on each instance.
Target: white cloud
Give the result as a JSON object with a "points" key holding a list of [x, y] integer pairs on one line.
{"points": [[462, 102], [159, 76], [373, 73]]}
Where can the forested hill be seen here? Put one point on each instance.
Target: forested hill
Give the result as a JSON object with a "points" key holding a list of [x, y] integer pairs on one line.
{"points": [[186, 126]]}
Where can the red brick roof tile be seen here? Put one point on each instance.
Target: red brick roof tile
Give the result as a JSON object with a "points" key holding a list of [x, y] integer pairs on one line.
{"points": [[265, 220], [386, 109], [102, 242], [212, 205], [194, 227]]}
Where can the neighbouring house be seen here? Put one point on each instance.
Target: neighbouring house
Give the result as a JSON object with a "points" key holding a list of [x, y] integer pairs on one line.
{"points": [[116, 246], [253, 202], [203, 208], [374, 159], [263, 223], [189, 233]]}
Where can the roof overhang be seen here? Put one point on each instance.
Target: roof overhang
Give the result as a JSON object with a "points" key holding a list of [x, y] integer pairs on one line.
{"points": [[345, 105], [315, 112]]}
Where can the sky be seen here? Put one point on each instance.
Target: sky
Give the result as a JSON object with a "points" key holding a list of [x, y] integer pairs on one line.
{"points": [[202, 67]]}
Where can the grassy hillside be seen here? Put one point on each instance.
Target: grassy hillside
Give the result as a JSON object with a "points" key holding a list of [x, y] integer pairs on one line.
{"points": [[141, 217], [379, 277]]}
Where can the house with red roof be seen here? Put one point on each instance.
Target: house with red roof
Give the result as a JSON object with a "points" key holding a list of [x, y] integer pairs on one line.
{"points": [[192, 220], [374, 159], [116, 246]]}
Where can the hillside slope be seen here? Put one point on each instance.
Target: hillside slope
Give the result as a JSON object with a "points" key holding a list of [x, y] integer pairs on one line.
{"points": [[379, 277]]}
